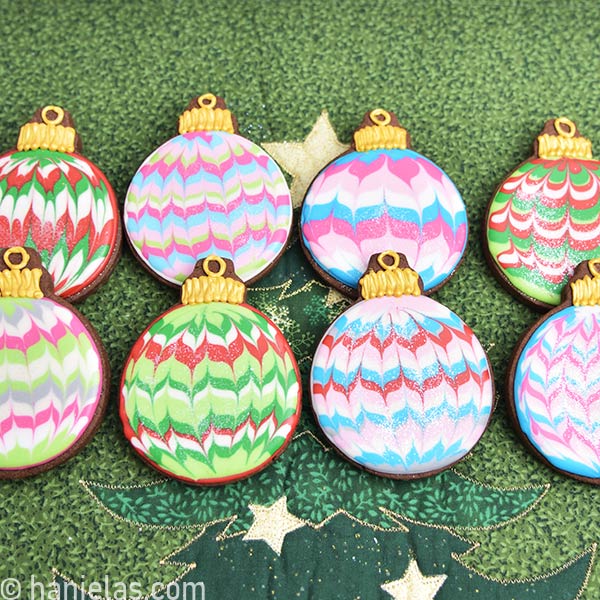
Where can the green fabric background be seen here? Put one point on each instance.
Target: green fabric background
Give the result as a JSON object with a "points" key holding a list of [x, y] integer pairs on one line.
{"points": [[473, 83]]}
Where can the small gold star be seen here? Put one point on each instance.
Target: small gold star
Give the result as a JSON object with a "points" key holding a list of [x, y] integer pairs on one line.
{"points": [[333, 298], [414, 585], [272, 523], [303, 160]]}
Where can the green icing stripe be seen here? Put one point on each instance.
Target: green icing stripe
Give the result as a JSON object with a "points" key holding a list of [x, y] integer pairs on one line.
{"points": [[45, 355], [514, 254], [211, 367], [61, 251]]}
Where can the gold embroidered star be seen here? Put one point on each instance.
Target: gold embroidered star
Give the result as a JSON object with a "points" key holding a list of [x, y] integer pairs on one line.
{"points": [[303, 160], [414, 585], [272, 523]]}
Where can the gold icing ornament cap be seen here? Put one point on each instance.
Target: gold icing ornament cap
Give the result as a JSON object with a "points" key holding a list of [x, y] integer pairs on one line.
{"points": [[380, 130], [18, 281], [565, 143], [207, 113], [586, 290], [213, 280], [389, 275], [48, 130]]}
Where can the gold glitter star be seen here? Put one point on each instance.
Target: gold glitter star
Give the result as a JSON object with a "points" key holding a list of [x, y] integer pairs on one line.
{"points": [[303, 160], [272, 523], [333, 298], [414, 585]]}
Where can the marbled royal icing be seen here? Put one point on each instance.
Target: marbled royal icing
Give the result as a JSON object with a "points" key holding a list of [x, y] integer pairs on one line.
{"points": [[557, 390], [543, 221], [210, 392], [63, 206], [50, 381], [365, 202], [401, 385], [208, 192]]}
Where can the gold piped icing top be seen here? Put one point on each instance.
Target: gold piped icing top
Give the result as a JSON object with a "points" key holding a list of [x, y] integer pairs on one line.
{"points": [[586, 291], [392, 280], [206, 117], [18, 281], [565, 144], [380, 135], [212, 286], [48, 135]]}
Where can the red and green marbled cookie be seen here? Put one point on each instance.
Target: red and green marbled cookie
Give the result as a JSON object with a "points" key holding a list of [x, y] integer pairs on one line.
{"points": [[210, 392]]}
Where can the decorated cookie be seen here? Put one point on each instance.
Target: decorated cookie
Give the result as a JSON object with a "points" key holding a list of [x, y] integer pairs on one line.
{"points": [[381, 194], [208, 191], [55, 200], [211, 390], [544, 219], [554, 380], [54, 373], [400, 385]]}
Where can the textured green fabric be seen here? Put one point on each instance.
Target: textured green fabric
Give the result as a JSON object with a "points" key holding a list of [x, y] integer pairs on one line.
{"points": [[472, 82]]}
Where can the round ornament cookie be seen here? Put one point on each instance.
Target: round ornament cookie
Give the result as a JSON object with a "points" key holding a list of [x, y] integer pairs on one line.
{"points": [[400, 385], [54, 374], [381, 194], [544, 219], [554, 380], [211, 390], [55, 200], [208, 191]]}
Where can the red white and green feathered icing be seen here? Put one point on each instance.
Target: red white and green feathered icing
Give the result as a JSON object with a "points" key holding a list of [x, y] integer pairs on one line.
{"points": [[58, 202], [211, 390], [545, 217], [53, 378]]}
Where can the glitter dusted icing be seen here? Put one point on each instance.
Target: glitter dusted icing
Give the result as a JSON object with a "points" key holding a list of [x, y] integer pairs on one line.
{"points": [[210, 393], [365, 202], [62, 205], [543, 221], [401, 386], [557, 390]]}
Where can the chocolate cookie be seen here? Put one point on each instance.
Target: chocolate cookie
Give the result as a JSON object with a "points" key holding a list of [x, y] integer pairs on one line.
{"points": [[208, 191], [400, 385], [211, 391], [54, 373], [544, 219], [554, 380], [379, 195], [54, 199]]}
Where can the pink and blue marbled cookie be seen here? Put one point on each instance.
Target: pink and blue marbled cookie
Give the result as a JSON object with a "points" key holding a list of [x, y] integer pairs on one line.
{"points": [[401, 386], [374, 198], [208, 191]]}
